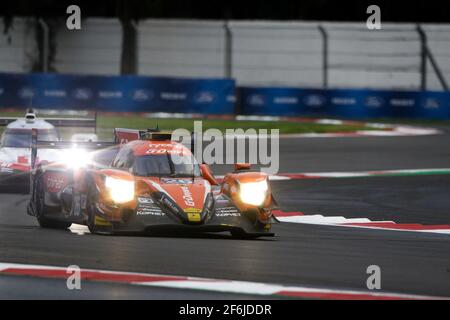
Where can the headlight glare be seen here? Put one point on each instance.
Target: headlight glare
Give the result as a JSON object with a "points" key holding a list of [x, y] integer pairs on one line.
{"points": [[121, 191], [76, 158], [254, 193]]}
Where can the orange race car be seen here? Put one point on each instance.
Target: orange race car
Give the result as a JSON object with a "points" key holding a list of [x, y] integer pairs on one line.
{"points": [[146, 183]]}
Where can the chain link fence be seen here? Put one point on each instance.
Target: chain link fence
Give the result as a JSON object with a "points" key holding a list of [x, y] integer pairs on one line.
{"points": [[255, 53]]}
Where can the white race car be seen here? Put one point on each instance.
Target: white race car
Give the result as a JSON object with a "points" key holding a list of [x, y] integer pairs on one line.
{"points": [[15, 149]]}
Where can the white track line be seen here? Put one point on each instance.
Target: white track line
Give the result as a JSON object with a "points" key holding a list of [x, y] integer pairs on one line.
{"points": [[204, 284], [341, 221]]}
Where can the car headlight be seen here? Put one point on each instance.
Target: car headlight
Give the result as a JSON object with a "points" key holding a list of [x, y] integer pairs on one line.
{"points": [[121, 191], [254, 193], [76, 158]]}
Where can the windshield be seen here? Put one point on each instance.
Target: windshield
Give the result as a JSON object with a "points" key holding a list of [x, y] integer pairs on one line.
{"points": [[166, 165], [103, 158], [21, 138]]}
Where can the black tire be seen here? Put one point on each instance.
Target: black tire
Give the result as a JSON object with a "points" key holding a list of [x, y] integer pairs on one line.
{"points": [[42, 210], [241, 235], [91, 214], [91, 219]]}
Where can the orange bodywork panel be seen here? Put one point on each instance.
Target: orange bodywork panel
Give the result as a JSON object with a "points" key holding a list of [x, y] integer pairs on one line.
{"points": [[189, 196]]}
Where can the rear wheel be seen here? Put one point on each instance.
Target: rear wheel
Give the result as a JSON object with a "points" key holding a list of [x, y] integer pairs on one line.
{"points": [[42, 211]]}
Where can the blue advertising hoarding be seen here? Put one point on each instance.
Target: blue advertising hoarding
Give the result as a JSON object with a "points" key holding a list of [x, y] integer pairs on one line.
{"points": [[344, 103], [212, 96], [117, 93]]}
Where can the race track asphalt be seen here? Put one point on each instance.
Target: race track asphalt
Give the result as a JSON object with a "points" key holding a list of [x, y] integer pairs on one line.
{"points": [[300, 254]]}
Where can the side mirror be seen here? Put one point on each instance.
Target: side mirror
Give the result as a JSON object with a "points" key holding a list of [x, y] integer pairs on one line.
{"points": [[242, 166], [207, 174]]}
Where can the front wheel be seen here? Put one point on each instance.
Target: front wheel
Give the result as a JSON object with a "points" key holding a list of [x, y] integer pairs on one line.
{"points": [[95, 223]]}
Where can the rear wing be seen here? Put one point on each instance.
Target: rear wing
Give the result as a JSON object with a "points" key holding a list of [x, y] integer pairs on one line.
{"points": [[57, 122], [86, 145], [74, 122], [122, 135], [4, 121]]}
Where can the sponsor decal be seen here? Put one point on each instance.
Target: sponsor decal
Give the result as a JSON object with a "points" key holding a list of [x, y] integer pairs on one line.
{"points": [[177, 96], [55, 93], [22, 159], [150, 211], [431, 103], [175, 181], [178, 151], [187, 196], [164, 148], [285, 100], [145, 200], [204, 97], [221, 198], [193, 217], [231, 98], [26, 93], [142, 95], [82, 94], [55, 182], [227, 212], [374, 102], [399, 102], [110, 94], [192, 210], [99, 221], [343, 101], [314, 100], [167, 202], [256, 100]]}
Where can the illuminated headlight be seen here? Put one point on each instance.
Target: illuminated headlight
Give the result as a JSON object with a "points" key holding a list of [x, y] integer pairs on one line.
{"points": [[76, 158], [254, 193], [121, 191]]}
